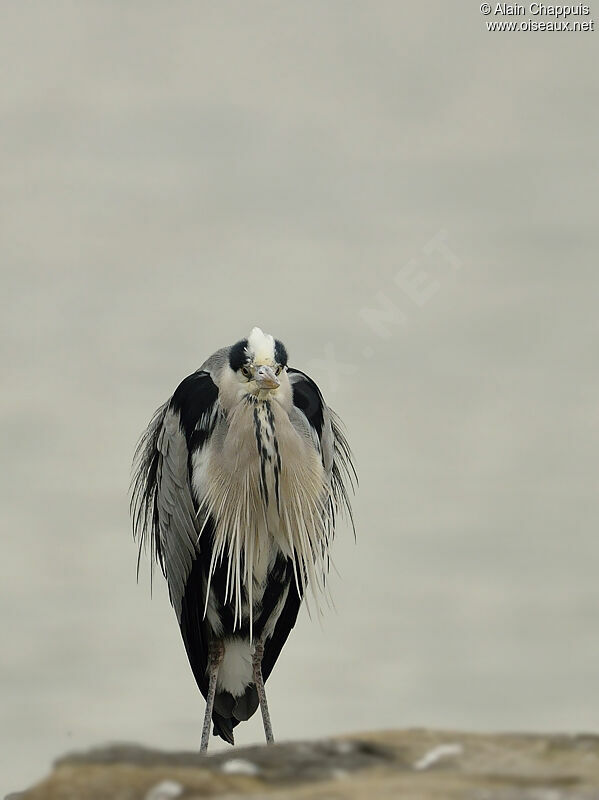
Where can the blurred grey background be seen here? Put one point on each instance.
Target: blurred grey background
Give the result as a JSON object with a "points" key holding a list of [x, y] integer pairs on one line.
{"points": [[410, 204]]}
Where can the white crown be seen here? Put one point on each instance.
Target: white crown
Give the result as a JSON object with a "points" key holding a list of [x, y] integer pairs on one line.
{"points": [[262, 346]]}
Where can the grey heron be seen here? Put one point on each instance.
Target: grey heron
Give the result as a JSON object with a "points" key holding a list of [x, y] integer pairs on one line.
{"points": [[237, 484]]}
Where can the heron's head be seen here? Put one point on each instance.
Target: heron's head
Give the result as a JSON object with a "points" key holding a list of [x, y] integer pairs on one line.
{"points": [[259, 363]]}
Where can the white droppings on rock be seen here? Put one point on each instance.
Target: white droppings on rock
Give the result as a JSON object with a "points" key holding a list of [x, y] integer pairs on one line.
{"points": [[339, 774], [239, 766], [165, 790], [437, 753], [344, 747]]}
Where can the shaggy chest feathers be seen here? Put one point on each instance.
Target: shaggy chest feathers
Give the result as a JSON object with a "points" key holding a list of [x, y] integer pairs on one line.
{"points": [[264, 487]]}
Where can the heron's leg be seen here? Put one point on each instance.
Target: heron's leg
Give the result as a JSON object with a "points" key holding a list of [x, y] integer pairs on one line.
{"points": [[257, 668], [215, 656]]}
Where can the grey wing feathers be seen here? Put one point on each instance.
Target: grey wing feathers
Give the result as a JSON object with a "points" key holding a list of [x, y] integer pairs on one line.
{"points": [[330, 440], [163, 507], [178, 526], [144, 507], [343, 471]]}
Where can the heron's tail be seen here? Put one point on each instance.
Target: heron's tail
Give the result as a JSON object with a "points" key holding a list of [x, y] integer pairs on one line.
{"points": [[229, 711], [223, 727]]}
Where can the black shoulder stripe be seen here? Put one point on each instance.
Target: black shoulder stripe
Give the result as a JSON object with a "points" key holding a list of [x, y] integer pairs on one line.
{"points": [[238, 355], [307, 397], [280, 353], [194, 397]]}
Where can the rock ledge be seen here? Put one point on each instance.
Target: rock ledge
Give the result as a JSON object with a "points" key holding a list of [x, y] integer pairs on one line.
{"points": [[412, 764]]}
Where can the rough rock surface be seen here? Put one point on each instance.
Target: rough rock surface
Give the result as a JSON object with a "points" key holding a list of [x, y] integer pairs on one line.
{"points": [[412, 765]]}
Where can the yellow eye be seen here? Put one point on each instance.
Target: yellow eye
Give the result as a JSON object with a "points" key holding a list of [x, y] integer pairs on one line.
{"points": [[247, 372], [278, 369]]}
